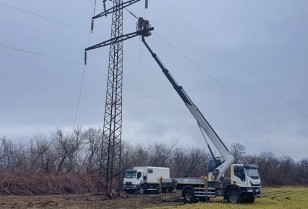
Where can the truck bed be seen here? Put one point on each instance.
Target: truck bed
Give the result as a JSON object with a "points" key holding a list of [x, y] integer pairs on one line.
{"points": [[190, 180]]}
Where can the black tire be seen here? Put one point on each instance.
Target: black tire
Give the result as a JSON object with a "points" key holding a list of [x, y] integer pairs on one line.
{"points": [[189, 196], [141, 190], [234, 197], [249, 199]]}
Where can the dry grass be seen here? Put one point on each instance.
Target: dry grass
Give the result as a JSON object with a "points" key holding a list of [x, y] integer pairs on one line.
{"points": [[272, 198]]}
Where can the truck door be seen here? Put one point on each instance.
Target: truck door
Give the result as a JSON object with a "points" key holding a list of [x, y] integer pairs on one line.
{"points": [[239, 176], [140, 176]]}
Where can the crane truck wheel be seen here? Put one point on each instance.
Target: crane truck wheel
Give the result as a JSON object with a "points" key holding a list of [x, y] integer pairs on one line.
{"points": [[234, 197], [189, 196], [249, 199], [141, 190]]}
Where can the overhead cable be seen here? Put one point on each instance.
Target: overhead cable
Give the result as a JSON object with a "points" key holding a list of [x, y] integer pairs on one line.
{"points": [[265, 86]]}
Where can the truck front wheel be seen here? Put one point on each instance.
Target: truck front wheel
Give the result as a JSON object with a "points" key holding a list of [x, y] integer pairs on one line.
{"points": [[189, 196], [141, 190], [249, 199], [234, 197]]}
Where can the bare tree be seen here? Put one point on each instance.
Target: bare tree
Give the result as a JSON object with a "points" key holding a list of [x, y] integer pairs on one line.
{"points": [[92, 138], [6, 152], [160, 154], [238, 151], [304, 163], [42, 154], [189, 162], [128, 155], [12, 156], [286, 163], [180, 161], [67, 148], [267, 164]]}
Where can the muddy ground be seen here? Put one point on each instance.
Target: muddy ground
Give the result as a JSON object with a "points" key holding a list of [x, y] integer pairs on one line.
{"points": [[90, 201]]}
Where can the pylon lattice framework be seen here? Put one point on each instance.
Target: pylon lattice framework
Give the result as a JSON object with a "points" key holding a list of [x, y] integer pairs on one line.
{"points": [[112, 130]]}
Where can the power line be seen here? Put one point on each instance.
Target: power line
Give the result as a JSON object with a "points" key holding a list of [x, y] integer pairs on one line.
{"points": [[40, 54], [239, 65], [51, 57], [253, 125], [220, 83], [131, 13], [81, 63], [146, 66], [51, 19], [67, 60], [100, 72], [75, 62], [185, 20], [179, 110], [174, 108], [44, 17], [170, 106], [83, 73]]}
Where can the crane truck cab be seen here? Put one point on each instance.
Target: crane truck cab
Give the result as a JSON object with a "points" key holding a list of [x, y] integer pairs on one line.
{"points": [[244, 176], [245, 184]]}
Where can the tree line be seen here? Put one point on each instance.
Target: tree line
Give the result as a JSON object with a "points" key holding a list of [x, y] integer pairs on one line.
{"points": [[69, 162]]}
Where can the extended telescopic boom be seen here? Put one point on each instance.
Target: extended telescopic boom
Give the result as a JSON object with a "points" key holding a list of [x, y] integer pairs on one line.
{"points": [[202, 122], [143, 29]]}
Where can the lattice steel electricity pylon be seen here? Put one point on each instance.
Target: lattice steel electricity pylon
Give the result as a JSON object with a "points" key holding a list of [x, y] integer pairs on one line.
{"points": [[110, 156], [112, 130]]}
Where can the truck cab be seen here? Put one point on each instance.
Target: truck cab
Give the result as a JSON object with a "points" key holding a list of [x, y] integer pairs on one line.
{"points": [[244, 185], [144, 178], [132, 179], [246, 177]]}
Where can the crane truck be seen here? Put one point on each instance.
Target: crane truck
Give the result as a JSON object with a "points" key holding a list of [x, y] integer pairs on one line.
{"points": [[244, 183]]}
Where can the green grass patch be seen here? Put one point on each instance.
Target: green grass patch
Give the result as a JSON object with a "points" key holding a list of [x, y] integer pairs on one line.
{"points": [[271, 198]]}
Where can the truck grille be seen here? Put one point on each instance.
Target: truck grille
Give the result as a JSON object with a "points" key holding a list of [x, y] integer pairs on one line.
{"points": [[255, 184], [128, 183]]}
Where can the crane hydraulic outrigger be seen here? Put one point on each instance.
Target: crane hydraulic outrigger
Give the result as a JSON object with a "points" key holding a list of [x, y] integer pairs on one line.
{"points": [[244, 182]]}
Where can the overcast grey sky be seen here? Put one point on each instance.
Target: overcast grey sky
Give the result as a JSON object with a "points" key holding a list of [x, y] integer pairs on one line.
{"points": [[242, 62]]}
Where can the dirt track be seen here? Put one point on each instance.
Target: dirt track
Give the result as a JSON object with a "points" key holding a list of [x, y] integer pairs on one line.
{"points": [[88, 201]]}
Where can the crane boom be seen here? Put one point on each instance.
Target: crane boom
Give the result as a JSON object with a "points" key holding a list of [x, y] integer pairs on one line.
{"points": [[202, 122]]}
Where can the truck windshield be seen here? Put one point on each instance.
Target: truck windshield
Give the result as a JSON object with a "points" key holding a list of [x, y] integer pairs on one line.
{"points": [[253, 173], [130, 174]]}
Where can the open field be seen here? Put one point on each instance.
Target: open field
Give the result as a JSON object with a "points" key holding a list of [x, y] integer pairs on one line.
{"points": [[272, 198]]}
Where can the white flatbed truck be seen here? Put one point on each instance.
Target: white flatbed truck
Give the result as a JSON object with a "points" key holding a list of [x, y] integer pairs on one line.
{"points": [[143, 179]]}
